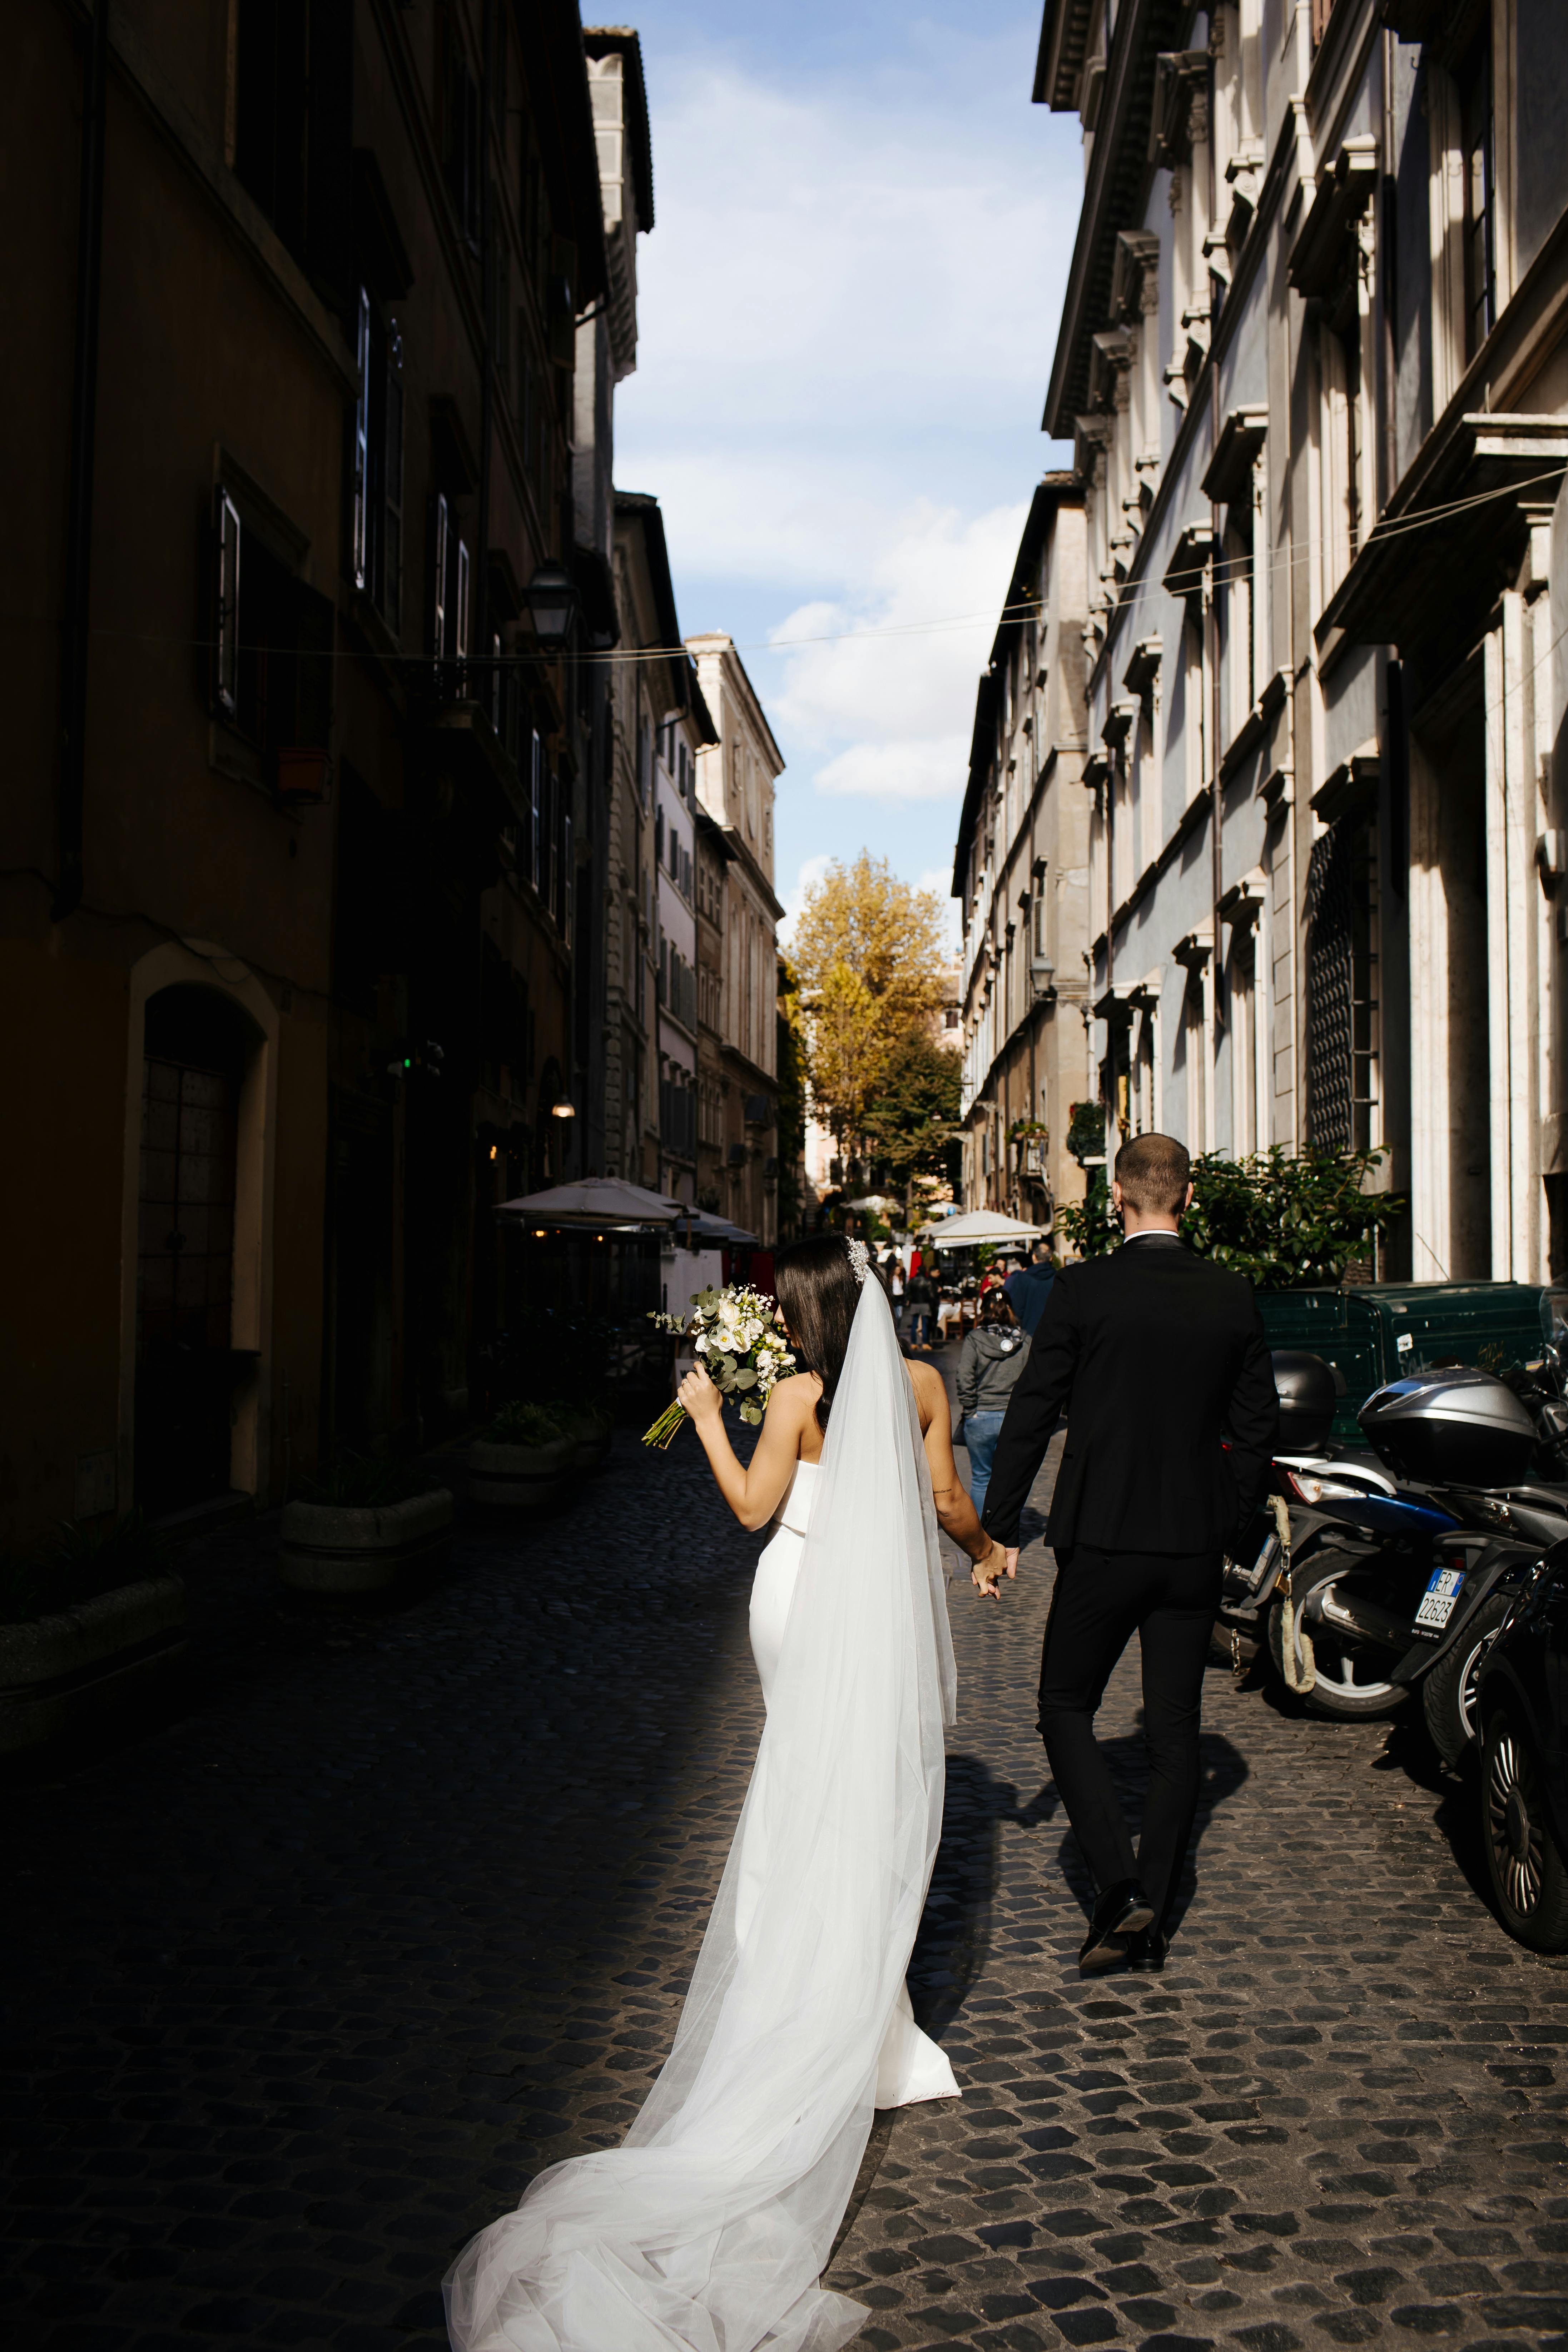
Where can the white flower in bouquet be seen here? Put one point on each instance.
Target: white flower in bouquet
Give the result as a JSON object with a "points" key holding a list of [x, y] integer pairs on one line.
{"points": [[735, 1333]]}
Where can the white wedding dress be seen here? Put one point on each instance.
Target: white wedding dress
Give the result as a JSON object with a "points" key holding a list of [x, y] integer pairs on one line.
{"points": [[909, 2066], [708, 2230]]}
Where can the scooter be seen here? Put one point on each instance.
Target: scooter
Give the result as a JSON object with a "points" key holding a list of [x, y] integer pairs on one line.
{"points": [[1367, 1579]]}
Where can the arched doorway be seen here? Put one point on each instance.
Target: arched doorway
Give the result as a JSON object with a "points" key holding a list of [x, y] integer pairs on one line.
{"points": [[196, 1043]]}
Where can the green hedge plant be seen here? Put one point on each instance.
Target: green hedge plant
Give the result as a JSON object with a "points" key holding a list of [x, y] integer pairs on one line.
{"points": [[1291, 1222]]}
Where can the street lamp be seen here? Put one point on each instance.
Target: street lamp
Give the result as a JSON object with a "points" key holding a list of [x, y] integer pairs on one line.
{"points": [[563, 1110], [551, 598]]}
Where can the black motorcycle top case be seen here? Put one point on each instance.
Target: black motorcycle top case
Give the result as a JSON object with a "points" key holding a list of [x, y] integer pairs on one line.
{"points": [[1457, 1428]]}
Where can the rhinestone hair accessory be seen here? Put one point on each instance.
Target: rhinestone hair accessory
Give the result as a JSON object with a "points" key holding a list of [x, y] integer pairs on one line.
{"points": [[860, 1261]]}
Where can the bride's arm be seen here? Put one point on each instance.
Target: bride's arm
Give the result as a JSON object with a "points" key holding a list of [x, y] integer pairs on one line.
{"points": [[955, 1511], [756, 1492]]}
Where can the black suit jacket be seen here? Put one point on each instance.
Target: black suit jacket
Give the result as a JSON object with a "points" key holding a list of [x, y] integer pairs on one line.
{"points": [[1151, 1353]]}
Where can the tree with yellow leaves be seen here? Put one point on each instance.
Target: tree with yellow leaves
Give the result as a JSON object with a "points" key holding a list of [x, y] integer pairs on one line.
{"points": [[868, 951]]}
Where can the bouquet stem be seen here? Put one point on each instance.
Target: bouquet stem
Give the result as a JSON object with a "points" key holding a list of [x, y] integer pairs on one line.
{"points": [[664, 1427]]}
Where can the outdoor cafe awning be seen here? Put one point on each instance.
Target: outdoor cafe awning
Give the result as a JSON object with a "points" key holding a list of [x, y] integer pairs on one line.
{"points": [[977, 1225], [605, 1202]]}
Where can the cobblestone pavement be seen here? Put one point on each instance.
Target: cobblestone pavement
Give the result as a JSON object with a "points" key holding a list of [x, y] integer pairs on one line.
{"points": [[305, 1984]]}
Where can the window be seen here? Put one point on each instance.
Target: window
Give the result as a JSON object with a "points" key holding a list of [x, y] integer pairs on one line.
{"points": [[1343, 448], [530, 847], [377, 516], [440, 535], [1234, 601], [1341, 988], [225, 683], [448, 587], [362, 441], [1194, 1049], [272, 79], [272, 654], [1473, 79], [1243, 1025], [291, 111], [462, 134]]}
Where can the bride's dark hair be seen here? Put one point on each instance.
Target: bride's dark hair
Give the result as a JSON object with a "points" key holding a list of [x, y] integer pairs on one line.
{"points": [[814, 1285]]}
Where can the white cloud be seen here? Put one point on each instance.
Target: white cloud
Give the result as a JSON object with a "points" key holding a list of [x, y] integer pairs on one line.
{"points": [[846, 310], [884, 698], [895, 771]]}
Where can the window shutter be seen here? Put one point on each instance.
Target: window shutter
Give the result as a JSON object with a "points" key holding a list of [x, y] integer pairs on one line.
{"points": [[392, 549], [360, 532], [226, 629], [439, 532]]}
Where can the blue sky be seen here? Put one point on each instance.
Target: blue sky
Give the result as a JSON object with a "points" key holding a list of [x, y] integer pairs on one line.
{"points": [[848, 308]]}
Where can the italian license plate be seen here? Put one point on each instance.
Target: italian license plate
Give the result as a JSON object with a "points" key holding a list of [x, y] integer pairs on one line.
{"points": [[1438, 1599]]}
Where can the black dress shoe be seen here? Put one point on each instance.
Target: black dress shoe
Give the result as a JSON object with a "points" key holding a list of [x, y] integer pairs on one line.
{"points": [[1146, 1952], [1119, 1913]]}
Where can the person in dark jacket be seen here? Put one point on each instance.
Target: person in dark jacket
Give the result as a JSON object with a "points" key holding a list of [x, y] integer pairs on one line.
{"points": [[1029, 1287], [994, 1356], [920, 1297], [1152, 1354]]}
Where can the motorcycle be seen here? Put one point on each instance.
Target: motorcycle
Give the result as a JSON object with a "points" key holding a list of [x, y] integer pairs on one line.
{"points": [[1373, 1573]]}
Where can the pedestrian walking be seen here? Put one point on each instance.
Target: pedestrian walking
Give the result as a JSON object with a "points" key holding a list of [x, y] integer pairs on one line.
{"points": [[994, 1355], [1029, 1287], [1151, 1353], [896, 1288], [919, 1292]]}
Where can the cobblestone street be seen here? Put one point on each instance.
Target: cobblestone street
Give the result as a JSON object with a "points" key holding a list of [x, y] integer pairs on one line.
{"points": [[304, 1984]]}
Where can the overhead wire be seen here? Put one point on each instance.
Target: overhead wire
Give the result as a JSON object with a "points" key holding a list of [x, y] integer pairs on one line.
{"points": [[1222, 571]]}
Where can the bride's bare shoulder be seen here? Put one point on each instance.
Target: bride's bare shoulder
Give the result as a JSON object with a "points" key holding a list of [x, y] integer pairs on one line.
{"points": [[797, 1392], [929, 1387]]}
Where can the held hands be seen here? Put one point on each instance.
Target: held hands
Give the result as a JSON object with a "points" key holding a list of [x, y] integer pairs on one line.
{"points": [[991, 1566], [698, 1394]]}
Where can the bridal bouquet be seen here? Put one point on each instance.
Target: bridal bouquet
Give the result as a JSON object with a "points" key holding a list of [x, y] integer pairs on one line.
{"points": [[736, 1333]]}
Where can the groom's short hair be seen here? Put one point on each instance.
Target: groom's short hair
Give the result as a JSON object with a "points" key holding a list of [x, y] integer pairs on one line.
{"points": [[1153, 1172]]}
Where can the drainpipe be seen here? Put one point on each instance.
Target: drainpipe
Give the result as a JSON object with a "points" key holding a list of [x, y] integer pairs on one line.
{"points": [[83, 427], [487, 295]]}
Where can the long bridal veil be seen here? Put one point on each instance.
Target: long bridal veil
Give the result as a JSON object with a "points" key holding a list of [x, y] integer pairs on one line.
{"points": [[708, 2230]]}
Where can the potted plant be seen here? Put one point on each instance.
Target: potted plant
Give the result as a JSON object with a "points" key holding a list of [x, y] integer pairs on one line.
{"points": [[366, 1527], [94, 1619], [520, 1461], [591, 1427]]}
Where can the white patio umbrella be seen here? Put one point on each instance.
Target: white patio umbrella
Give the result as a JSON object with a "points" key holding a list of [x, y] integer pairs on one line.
{"points": [[982, 1225], [592, 1200]]}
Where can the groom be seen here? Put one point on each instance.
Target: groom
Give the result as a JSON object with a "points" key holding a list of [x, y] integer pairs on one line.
{"points": [[1151, 1353]]}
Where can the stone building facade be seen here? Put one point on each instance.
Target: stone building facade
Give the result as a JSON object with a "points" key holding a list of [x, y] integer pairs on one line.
{"points": [[1021, 878], [1314, 361], [661, 725], [300, 775], [737, 774]]}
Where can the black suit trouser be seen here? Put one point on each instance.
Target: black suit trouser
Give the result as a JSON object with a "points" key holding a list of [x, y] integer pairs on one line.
{"points": [[1100, 1599]]}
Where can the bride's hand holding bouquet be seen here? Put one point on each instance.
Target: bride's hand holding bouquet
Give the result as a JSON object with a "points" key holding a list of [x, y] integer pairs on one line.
{"points": [[740, 1347]]}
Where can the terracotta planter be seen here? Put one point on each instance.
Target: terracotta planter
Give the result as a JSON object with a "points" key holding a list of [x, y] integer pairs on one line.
{"points": [[336, 1548], [61, 1672], [519, 1477]]}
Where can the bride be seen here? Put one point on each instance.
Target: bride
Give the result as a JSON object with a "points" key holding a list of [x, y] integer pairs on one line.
{"points": [[708, 2228]]}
